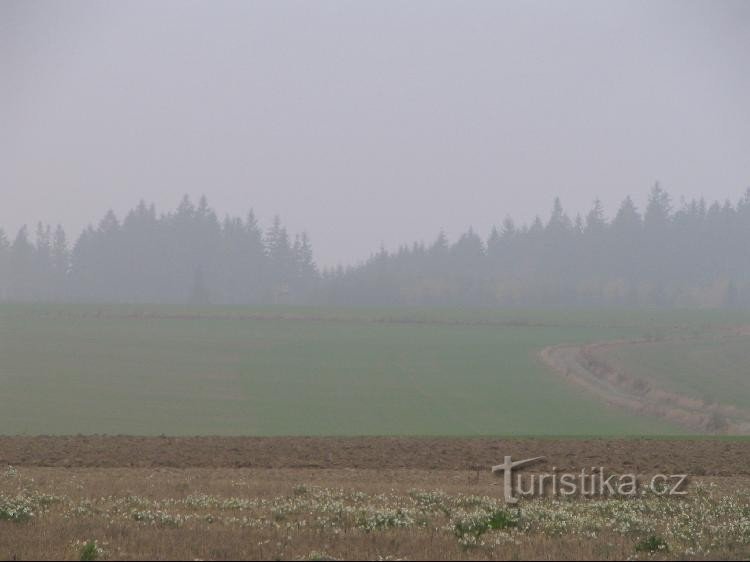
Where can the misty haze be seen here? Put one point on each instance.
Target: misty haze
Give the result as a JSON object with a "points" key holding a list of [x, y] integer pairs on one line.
{"points": [[310, 280]]}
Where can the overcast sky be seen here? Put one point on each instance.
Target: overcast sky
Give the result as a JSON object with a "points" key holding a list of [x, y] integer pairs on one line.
{"points": [[368, 122]]}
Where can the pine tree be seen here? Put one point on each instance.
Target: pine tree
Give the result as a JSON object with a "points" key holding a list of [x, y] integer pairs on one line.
{"points": [[42, 276], [22, 267], [60, 261], [4, 265], [658, 210], [595, 221]]}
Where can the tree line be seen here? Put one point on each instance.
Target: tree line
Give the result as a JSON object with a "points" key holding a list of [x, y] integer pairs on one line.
{"points": [[691, 254], [188, 255]]}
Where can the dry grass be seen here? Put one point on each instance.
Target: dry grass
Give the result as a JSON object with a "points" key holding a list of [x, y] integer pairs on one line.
{"points": [[305, 513]]}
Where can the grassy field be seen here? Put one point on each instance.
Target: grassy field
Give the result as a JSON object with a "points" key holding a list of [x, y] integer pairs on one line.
{"points": [[709, 367], [69, 369]]}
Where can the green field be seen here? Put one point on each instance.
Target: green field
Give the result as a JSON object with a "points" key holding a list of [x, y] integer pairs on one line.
{"points": [[67, 369], [709, 367]]}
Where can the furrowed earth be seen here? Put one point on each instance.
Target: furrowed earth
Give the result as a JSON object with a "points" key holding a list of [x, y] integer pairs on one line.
{"points": [[714, 457]]}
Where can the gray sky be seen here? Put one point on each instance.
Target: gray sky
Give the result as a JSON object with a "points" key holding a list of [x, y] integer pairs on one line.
{"points": [[373, 122]]}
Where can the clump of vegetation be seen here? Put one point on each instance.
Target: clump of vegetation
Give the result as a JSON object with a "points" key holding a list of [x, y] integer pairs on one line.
{"points": [[716, 423], [384, 519], [90, 551], [18, 509], [477, 525], [653, 543], [502, 519]]}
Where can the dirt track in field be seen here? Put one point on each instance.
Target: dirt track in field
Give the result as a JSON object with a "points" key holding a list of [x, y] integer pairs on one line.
{"points": [[586, 367], [696, 457]]}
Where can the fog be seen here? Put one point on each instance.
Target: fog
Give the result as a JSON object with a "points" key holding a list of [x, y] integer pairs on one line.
{"points": [[368, 126], [368, 123], [485, 225]]}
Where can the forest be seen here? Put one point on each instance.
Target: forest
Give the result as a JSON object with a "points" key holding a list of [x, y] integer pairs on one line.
{"points": [[691, 254]]}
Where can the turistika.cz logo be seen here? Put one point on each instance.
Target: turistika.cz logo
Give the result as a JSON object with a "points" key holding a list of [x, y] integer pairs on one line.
{"points": [[585, 483]]}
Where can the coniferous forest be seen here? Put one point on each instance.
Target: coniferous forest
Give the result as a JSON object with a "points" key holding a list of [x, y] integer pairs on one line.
{"points": [[691, 254]]}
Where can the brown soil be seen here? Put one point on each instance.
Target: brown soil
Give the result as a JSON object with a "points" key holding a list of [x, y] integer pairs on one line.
{"points": [[711, 457]]}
